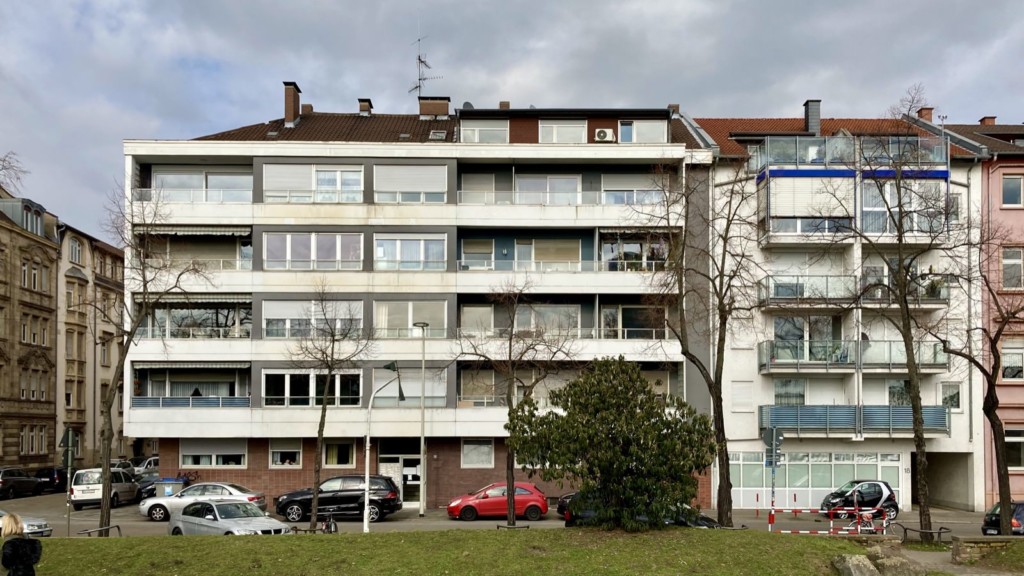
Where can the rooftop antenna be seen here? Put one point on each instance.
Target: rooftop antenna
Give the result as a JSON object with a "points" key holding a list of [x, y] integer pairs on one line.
{"points": [[421, 69]]}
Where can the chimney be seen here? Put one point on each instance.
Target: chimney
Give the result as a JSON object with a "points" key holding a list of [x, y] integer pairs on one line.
{"points": [[365, 107], [925, 113], [987, 121], [674, 109], [307, 108], [812, 117], [434, 105], [504, 105], [291, 104]]}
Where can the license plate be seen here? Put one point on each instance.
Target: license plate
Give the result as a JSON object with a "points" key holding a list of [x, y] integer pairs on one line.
{"points": [[991, 532]]}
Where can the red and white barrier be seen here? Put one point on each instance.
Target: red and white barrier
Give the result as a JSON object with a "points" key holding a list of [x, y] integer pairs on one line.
{"points": [[855, 512]]}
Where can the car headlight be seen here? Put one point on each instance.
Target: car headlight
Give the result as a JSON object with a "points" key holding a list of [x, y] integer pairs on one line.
{"points": [[34, 527], [244, 532], [455, 502]]}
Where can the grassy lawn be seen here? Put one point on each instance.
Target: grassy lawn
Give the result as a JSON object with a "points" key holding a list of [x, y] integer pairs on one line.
{"points": [[563, 552], [1010, 559]]}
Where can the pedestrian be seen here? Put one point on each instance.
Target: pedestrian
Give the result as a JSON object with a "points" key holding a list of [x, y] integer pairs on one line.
{"points": [[20, 553]]}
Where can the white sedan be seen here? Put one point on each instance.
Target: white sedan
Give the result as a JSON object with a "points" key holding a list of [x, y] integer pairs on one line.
{"points": [[229, 517], [160, 508]]}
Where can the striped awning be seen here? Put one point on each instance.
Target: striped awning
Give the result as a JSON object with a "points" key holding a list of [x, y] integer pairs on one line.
{"points": [[205, 365], [198, 298], [199, 230]]}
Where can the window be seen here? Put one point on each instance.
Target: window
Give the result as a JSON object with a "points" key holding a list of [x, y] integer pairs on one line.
{"points": [[1015, 448], [632, 322], [215, 187], [563, 131], [410, 184], [630, 189], [477, 254], [625, 254], [1013, 360], [294, 318], [296, 389], [643, 131], [548, 255], [408, 252], [75, 251], [876, 208], [898, 393], [790, 391], [24, 328], [434, 391], [286, 452], [23, 438], [479, 189], [951, 395], [484, 131], [339, 453], [476, 320], [542, 190], [538, 319], [24, 274], [213, 452], [1013, 266], [343, 184], [397, 319], [1012, 191], [477, 453], [313, 251], [24, 384], [105, 348]]}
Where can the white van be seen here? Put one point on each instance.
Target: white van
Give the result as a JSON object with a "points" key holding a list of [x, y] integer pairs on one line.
{"points": [[87, 488]]}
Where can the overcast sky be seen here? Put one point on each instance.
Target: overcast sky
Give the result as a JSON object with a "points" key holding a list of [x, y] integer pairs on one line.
{"points": [[79, 77]]}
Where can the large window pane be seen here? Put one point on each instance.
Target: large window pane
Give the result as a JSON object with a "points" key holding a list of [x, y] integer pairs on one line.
{"points": [[301, 251], [1012, 190], [277, 251], [178, 181]]}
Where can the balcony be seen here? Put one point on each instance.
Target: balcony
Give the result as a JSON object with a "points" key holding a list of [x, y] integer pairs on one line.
{"points": [[573, 334], [313, 196], [891, 355], [193, 196], [194, 332], [636, 197], [806, 355], [781, 291], [190, 402], [560, 266], [932, 291], [852, 419], [843, 152]]}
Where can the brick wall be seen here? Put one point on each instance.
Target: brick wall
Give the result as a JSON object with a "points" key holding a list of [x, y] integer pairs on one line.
{"points": [[970, 550]]}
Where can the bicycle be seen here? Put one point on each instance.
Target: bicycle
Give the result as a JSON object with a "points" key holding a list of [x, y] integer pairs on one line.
{"points": [[864, 523], [329, 526]]}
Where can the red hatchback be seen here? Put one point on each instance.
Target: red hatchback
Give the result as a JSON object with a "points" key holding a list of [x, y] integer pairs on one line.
{"points": [[491, 500]]}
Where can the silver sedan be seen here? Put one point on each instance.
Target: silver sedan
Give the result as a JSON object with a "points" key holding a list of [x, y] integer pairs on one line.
{"points": [[228, 517], [35, 527], [160, 508]]}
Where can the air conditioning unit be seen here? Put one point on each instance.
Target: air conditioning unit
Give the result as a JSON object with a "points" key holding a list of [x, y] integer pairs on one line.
{"points": [[604, 135]]}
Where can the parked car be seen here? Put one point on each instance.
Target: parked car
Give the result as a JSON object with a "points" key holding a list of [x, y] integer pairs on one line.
{"points": [[228, 517], [14, 481], [343, 496], [159, 508], [990, 526], [87, 488], [147, 483], [52, 478], [143, 463], [583, 512], [125, 465], [35, 527], [492, 501], [563, 503], [862, 494]]}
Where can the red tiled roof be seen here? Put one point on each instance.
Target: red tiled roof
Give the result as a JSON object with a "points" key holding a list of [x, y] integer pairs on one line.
{"points": [[995, 136], [327, 127], [722, 130]]}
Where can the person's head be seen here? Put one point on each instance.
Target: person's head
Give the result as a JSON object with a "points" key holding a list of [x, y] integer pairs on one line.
{"points": [[11, 523]]}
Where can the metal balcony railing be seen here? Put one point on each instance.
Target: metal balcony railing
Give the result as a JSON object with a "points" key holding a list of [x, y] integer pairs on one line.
{"points": [[190, 402], [193, 196], [792, 289], [475, 265], [629, 197], [852, 418]]}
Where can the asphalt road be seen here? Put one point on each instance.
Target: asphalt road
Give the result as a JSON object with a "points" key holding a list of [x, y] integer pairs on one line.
{"points": [[53, 508]]}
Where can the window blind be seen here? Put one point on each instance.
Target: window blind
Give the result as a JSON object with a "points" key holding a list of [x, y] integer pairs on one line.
{"points": [[410, 178]]}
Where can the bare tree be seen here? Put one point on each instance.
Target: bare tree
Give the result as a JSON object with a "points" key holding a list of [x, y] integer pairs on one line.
{"points": [[709, 225], [150, 276], [522, 357], [11, 172], [1004, 313], [332, 339]]}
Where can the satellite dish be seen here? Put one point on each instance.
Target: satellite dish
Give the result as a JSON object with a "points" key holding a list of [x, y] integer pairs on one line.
{"points": [[467, 105], [532, 107]]}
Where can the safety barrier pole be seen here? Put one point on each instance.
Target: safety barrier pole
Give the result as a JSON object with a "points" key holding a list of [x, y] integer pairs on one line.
{"points": [[757, 505], [832, 528]]}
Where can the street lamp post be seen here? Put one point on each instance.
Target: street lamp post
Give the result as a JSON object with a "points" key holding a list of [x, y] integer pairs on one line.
{"points": [[423, 416], [366, 445]]}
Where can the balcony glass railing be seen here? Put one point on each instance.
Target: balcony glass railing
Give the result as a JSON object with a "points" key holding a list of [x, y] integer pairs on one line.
{"points": [[887, 353], [304, 401], [785, 289], [836, 354], [409, 265], [411, 332], [562, 265], [194, 332], [933, 289], [852, 418], [171, 196], [630, 197], [203, 264], [190, 402], [409, 197], [845, 151], [312, 196], [575, 333]]}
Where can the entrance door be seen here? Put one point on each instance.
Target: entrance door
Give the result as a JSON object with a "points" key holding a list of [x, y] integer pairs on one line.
{"points": [[405, 470]]}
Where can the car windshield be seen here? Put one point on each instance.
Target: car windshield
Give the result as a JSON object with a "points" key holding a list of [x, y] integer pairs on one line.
{"points": [[238, 510], [848, 486], [137, 460]]}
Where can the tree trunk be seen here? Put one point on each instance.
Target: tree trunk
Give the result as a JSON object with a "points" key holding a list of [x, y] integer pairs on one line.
{"points": [[314, 505], [920, 450], [990, 407], [510, 459]]}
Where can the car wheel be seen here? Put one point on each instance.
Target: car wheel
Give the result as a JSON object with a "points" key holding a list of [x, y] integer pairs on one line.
{"points": [[229, 533], [176, 532], [294, 512], [157, 513], [114, 501], [468, 514], [77, 507], [891, 512], [374, 513], [533, 513]]}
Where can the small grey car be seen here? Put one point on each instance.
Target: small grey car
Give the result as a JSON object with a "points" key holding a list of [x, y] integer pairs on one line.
{"points": [[228, 517]]}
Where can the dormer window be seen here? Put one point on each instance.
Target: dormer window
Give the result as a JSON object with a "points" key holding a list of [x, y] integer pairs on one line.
{"points": [[438, 134], [563, 131], [643, 131]]}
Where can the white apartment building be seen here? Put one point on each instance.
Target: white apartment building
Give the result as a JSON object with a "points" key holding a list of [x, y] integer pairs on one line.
{"points": [[413, 221], [818, 358]]}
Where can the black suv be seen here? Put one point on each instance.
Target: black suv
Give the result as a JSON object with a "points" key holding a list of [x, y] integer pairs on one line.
{"points": [[54, 478], [862, 494], [343, 496], [14, 481], [990, 527]]}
